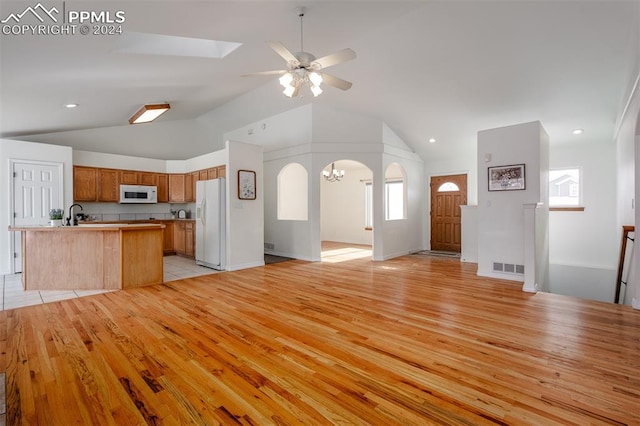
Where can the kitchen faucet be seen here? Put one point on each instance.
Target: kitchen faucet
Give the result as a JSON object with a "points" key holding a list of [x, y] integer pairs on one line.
{"points": [[75, 219]]}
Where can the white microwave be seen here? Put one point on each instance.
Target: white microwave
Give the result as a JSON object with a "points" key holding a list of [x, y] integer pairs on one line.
{"points": [[138, 194]]}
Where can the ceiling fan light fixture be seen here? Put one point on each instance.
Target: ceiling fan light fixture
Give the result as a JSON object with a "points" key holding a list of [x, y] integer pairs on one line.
{"points": [[286, 79], [289, 91], [316, 90], [315, 78], [149, 113]]}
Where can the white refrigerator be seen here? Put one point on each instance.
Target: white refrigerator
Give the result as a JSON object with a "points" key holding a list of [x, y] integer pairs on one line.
{"points": [[211, 223]]}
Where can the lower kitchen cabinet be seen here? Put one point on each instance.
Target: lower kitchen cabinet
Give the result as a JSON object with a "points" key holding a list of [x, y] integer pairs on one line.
{"points": [[189, 239], [184, 237], [168, 246]]}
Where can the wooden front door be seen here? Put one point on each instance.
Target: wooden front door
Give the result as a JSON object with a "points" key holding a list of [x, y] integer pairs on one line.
{"points": [[447, 194]]}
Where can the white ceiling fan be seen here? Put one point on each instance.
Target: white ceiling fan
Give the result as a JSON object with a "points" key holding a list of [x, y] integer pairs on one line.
{"points": [[304, 69]]}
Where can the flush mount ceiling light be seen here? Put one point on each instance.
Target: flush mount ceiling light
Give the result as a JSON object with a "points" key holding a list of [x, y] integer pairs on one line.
{"points": [[303, 69], [333, 175], [148, 113]]}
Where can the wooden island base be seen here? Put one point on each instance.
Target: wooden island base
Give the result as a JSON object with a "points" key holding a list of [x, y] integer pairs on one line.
{"points": [[110, 257]]}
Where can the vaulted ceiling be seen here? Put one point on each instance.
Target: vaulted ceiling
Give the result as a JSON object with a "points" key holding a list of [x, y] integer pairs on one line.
{"points": [[429, 69]]}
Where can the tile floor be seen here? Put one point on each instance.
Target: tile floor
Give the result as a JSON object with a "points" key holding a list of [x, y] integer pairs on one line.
{"points": [[13, 296]]}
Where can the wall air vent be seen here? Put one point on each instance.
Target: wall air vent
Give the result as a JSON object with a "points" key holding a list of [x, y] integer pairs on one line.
{"points": [[269, 246]]}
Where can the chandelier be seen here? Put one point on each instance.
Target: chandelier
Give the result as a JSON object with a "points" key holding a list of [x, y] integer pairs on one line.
{"points": [[333, 175]]}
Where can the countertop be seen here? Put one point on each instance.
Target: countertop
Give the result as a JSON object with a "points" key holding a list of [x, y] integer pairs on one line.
{"points": [[89, 227]]}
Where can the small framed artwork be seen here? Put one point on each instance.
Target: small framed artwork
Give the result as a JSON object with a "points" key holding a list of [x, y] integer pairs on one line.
{"points": [[506, 178], [246, 185]]}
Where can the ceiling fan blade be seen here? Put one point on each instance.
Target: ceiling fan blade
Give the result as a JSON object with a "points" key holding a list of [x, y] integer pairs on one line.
{"points": [[336, 82], [343, 55], [283, 51], [274, 72]]}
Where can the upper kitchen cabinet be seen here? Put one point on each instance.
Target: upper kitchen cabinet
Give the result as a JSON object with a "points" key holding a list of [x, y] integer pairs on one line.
{"points": [[177, 188], [85, 183], [132, 177], [212, 173], [203, 174], [128, 177], [163, 187], [195, 177], [108, 185], [222, 171]]}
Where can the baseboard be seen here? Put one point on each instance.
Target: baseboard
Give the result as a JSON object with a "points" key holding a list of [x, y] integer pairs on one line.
{"points": [[290, 255], [507, 277], [244, 266]]}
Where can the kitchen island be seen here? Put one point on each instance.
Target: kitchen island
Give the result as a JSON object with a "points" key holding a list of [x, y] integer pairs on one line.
{"points": [[92, 256]]}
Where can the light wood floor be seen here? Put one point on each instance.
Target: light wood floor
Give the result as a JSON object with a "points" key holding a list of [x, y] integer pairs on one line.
{"points": [[414, 340]]}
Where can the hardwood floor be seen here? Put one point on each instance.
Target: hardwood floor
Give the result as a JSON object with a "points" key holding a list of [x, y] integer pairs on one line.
{"points": [[414, 340]]}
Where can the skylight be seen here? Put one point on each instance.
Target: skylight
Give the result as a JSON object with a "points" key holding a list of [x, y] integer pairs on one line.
{"points": [[159, 44]]}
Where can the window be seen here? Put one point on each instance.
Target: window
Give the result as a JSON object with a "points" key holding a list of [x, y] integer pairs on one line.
{"points": [[564, 188], [448, 187], [394, 195], [368, 207]]}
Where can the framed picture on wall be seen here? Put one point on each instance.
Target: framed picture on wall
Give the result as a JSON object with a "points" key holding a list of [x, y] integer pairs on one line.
{"points": [[506, 178], [246, 185]]}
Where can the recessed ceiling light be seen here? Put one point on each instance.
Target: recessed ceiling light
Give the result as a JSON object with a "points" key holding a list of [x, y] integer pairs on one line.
{"points": [[432, 140], [71, 105], [577, 131]]}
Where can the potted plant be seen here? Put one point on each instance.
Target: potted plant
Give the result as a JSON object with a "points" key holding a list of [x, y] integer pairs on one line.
{"points": [[55, 217]]}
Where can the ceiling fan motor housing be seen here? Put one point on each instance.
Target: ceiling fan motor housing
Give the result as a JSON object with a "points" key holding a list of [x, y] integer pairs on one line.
{"points": [[305, 60]]}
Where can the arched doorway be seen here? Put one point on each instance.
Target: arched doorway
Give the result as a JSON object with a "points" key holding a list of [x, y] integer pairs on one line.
{"points": [[346, 219]]}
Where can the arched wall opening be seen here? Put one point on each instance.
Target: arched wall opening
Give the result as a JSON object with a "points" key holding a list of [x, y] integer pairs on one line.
{"points": [[346, 216]]}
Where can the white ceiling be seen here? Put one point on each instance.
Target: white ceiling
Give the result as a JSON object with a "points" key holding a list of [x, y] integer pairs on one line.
{"points": [[442, 69]]}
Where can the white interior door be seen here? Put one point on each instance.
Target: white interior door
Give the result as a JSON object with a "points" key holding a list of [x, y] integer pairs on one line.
{"points": [[37, 188]]}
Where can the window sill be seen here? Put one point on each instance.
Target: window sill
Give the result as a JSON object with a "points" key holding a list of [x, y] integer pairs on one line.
{"points": [[567, 209]]}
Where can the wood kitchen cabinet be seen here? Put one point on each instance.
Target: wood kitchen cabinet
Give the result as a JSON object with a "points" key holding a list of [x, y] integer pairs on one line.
{"points": [[108, 185], [132, 177], [168, 245], [203, 174], [222, 171], [128, 177], [195, 177], [85, 183], [147, 178], [189, 239], [177, 188], [212, 173], [163, 187], [184, 237], [189, 188]]}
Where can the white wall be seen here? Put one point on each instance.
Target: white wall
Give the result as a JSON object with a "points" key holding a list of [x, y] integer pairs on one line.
{"points": [[18, 150], [290, 238], [500, 213], [586, 240], [343, 208], [245, 218], [401, 237]]}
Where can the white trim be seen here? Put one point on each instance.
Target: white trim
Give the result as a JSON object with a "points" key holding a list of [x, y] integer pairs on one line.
{"points": [[245, 266], [635, 303]]}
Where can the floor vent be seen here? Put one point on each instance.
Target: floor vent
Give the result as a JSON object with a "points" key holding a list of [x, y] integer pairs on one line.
{"points": [[509, 268]]}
